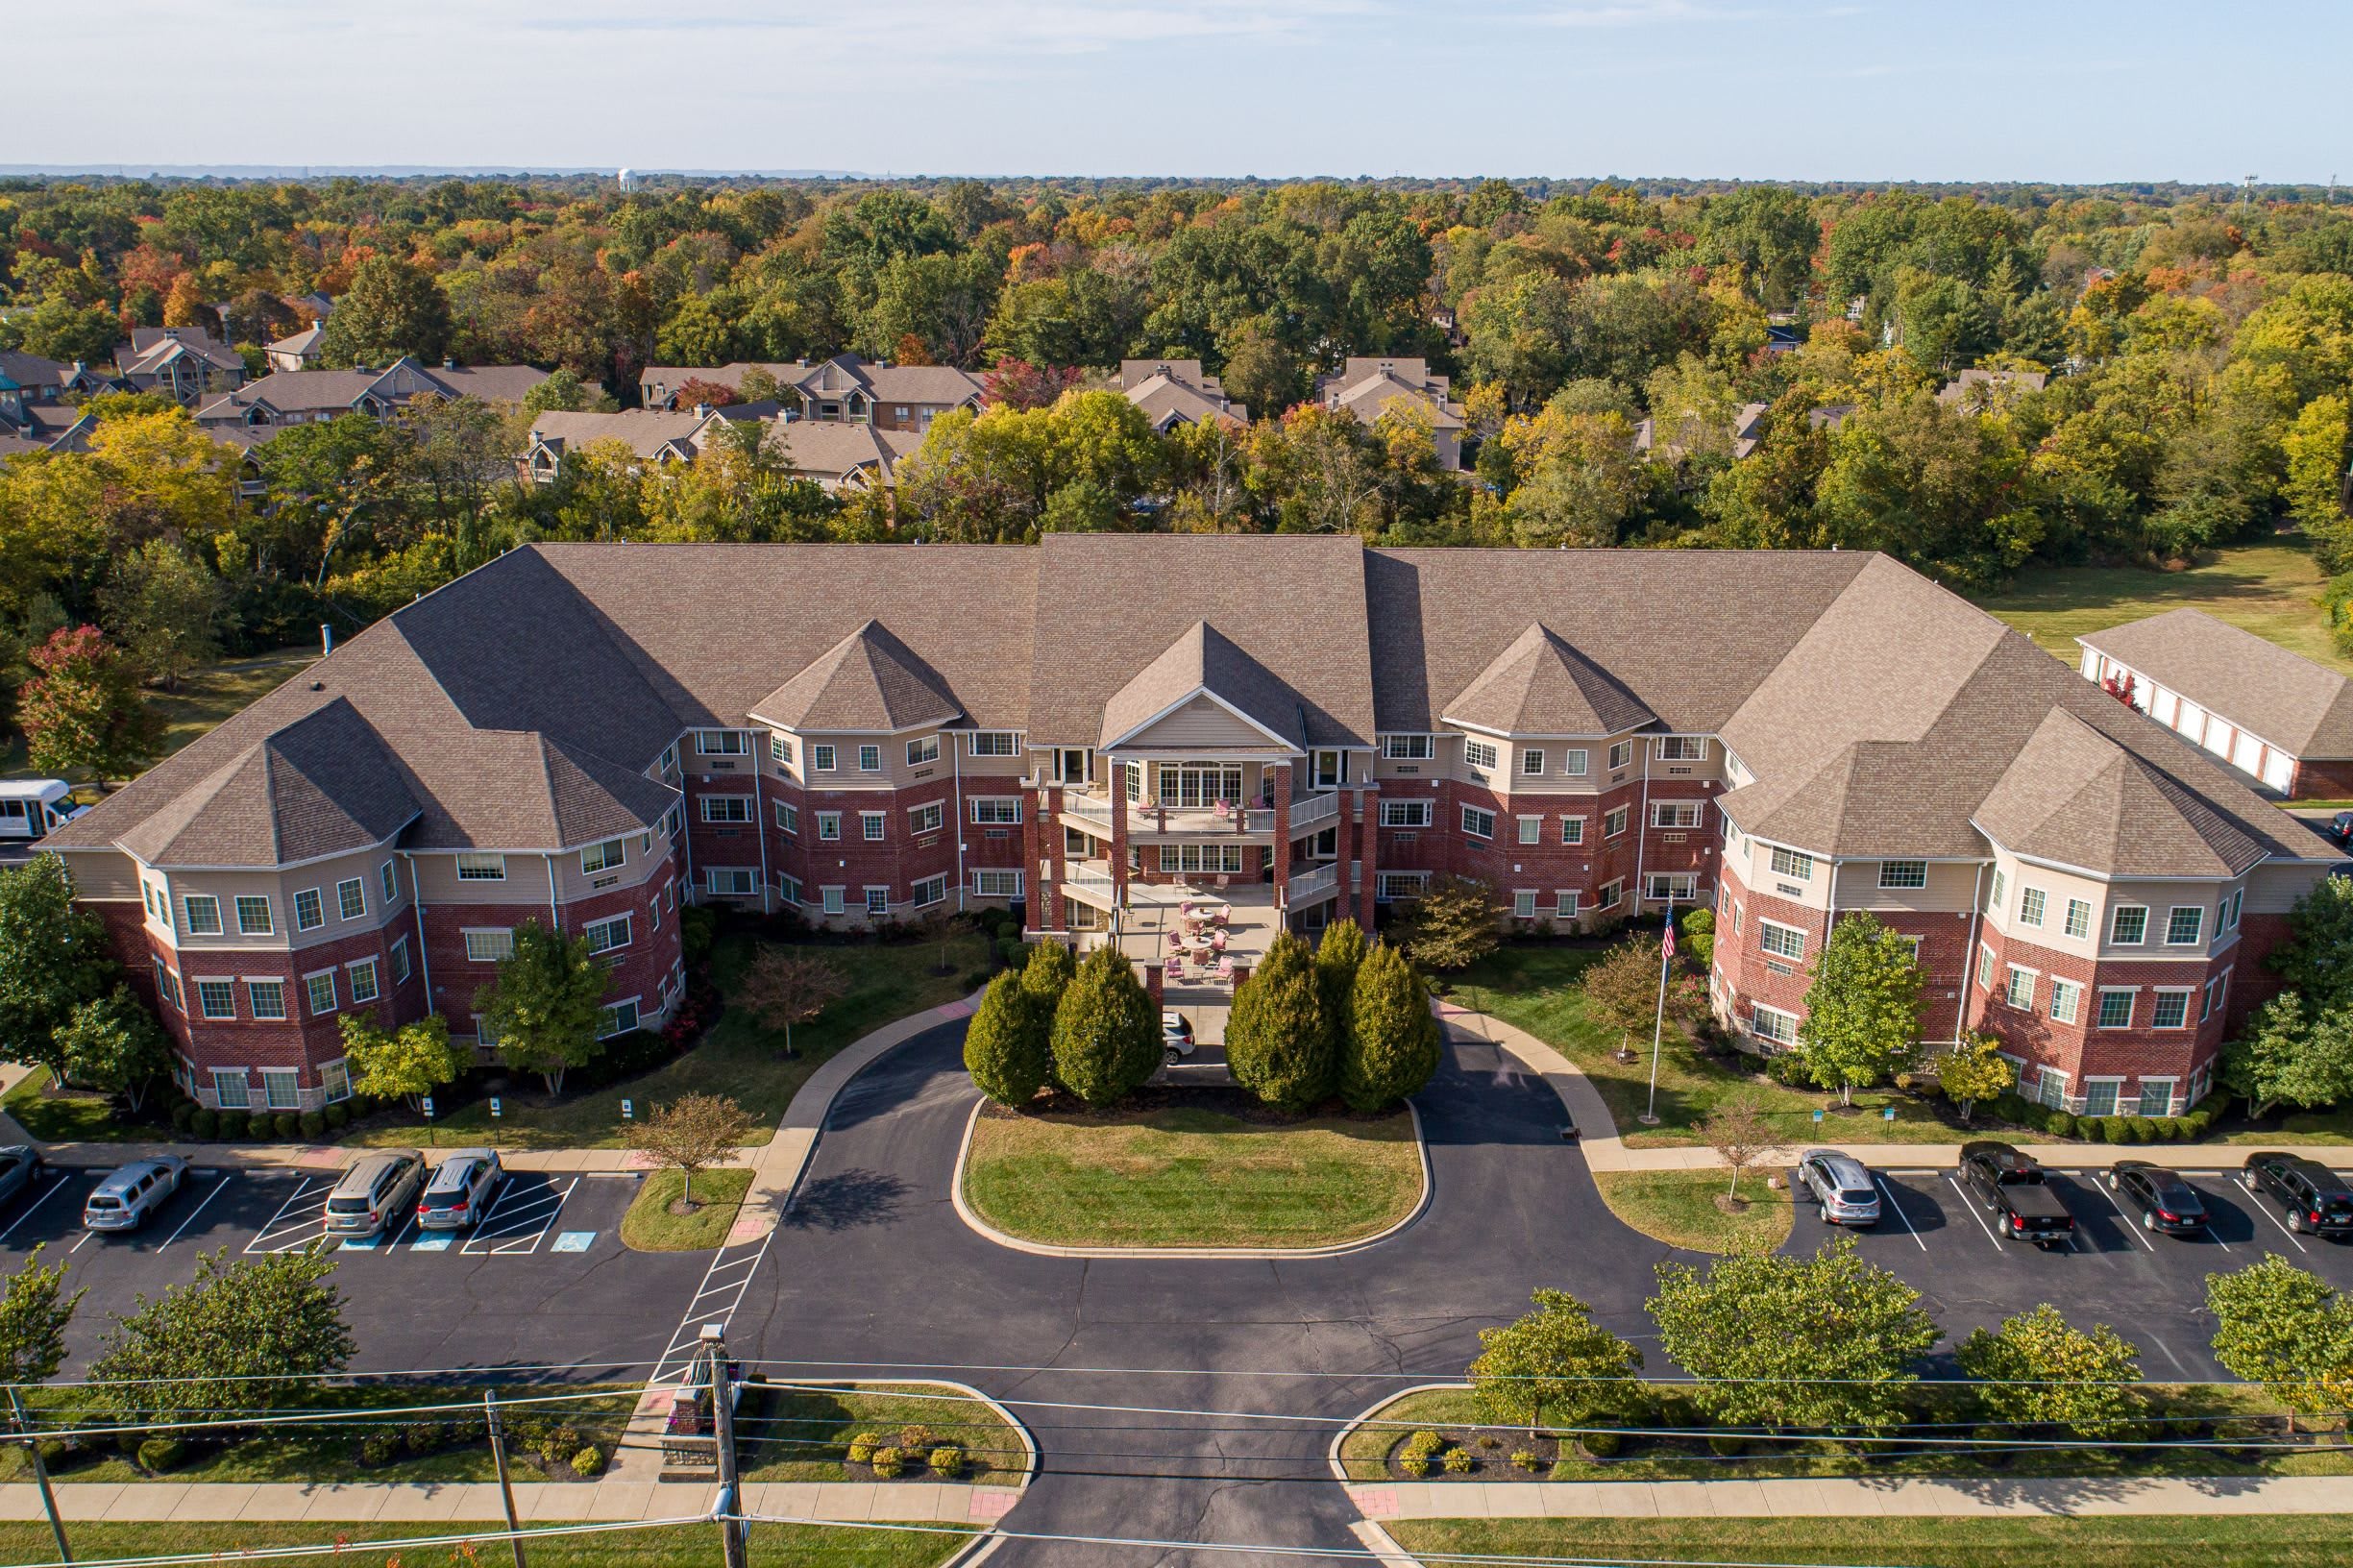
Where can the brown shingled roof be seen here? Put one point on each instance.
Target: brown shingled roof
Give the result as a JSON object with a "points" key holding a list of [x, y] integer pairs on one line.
{"points": [[2259, 686], [1541, 686], [870, 681], [1202, 659], [2075, 796]]}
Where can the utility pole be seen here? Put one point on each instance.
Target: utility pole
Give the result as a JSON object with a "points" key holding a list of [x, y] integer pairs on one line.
{"points": [[506, 1486], [40, 1473], [723, 1421]]}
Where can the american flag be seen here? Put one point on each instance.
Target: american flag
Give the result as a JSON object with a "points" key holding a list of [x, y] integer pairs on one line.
{"points": [[1669, 946]]}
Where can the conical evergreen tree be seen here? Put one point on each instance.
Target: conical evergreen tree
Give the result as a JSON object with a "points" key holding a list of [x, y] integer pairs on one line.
{"points": [[1338, 953], [1008, 1046], [1049, 971], [1278, 1040], [1106, 1031], [1393, 1046]]}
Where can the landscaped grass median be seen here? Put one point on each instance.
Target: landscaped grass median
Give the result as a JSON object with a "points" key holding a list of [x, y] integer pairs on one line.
{"points": [[650, 1227], [1207, 1169], [807, 1432], [669, 1546], [1679, 1207], [2139, 1542]]}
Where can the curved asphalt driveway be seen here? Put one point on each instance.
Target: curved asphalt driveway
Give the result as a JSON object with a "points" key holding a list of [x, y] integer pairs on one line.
{"points": [[872, 1266]]}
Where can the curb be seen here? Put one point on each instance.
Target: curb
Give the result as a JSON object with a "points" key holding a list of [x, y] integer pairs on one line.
{"points": [[1040, 1249], [1383, 1545]]}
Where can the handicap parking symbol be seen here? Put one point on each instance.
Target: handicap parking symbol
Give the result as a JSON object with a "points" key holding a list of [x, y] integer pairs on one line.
{"points": [[360, 1243], [574, 1240], [431, 1243]]}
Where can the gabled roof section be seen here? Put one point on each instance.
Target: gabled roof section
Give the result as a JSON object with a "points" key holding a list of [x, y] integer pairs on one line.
{"points": [[590, 797], [2075, 797], [324, 784], [2295, 704], [870, 681], [1203, 661], [1540, 685]]}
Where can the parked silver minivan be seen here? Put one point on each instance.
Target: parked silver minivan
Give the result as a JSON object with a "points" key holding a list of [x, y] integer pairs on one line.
{"points": [[461, 1191], [379, 1186], [123, 1199]]}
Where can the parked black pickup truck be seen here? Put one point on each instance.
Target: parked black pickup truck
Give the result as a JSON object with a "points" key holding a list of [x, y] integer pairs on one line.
{"points": [[2011, 1185]]}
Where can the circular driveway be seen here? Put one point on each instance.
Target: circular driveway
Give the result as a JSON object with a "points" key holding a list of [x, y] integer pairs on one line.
{"points": [[873, 1270]]}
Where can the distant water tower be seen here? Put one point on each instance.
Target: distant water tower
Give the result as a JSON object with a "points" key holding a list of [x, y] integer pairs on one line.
{"points": [[629, 180]]}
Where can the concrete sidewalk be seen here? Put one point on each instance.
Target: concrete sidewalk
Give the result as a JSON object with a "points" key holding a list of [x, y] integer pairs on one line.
{"points": [[1605, 1148], [537, 1502], [1894, 1497]]}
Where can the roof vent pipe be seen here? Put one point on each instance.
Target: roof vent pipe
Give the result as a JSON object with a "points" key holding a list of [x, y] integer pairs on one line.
{"points": [[326, 639]]}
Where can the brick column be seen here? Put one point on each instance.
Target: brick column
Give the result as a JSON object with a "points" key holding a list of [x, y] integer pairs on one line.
{"points": [[1279, 789], [1367, 806], [1118, 786]]}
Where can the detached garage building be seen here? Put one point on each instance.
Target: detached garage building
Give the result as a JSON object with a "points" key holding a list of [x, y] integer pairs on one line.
{"points": [[2279, 717]]}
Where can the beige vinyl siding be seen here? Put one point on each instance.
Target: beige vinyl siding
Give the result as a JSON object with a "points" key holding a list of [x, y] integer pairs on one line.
{"points": [[1200, 725], [1951, 887]]}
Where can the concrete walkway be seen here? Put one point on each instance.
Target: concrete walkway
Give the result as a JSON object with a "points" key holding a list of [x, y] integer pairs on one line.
{"points": [[1894, 1497], [1605, 1148], [535, 1502]]}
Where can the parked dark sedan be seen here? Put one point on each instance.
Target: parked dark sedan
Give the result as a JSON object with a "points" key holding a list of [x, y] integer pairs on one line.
{"points": [[2163, 1199]]}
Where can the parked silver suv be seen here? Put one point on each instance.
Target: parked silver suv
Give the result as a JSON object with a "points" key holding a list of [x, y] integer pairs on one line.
{"points": [[124, 1199], [373, 1190], [1842, 1185], [461, 1191]]}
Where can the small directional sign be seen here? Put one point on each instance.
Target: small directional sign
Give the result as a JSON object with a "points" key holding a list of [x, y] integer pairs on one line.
{"points": [[494, 1107], [428, 1107], [627, 1110]]}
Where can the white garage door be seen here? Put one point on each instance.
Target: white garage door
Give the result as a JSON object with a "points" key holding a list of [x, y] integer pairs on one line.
{"points": [[2278, 769], [2247, 755]]}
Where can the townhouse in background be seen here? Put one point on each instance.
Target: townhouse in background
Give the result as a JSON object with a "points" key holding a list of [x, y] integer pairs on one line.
{"points": [[1370, 387], [844, 388], [1093, 729]]}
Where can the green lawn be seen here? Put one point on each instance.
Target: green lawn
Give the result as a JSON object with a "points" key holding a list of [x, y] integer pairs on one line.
{"points": [[650, 1227], [2141, 1541], [802, 1435], [1679, 1207], [1534, 987], [887, 980], [72, 1116], [204, 700], [2270, 589], [1191, 1175], [668, 1546]]}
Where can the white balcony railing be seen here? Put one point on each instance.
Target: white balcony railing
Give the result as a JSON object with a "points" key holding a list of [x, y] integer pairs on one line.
{"points": [[1092, 807], [1087, 875], [1314, 808], [1307, 887]]}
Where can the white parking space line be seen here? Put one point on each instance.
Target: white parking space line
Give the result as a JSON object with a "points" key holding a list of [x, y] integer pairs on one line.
{"points": [[1972, 1207], [2130, 1228], [55, 1185], [79, 1245], [1889, 1193], [2257, 1203], [503, 1229], [728, 1278], [293, 1228], [218, 1181]]}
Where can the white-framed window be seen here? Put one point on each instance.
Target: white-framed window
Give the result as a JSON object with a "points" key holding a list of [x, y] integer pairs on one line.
{"points": [[1679, 886], [1606, 896], [1904, 873], [335, 1078], [489, 944], [158, 903], [1406, 812], [872, 825], [1674, 812], [787, 816], [1985, 968], [670, 758], [1479, 753], [990, 882], [604, 936], [253, 917], [351, 898], [1390, 885], [2185, 924], [877, 899], [1479, 821], [2099, 1095], [309, 912], [730, 881], [830, 899], [1780, 940], [1531, 829], [2226, 914], [231, 1089], [1564, 904], [2217, 989], [993, 743], [608, 855], [2171, 1010], [2078, 921], [1994, 905], [2065, 1002], [870, 759], [1613, 821], [2115, 1008], [266, 999], [365, 985], [1794, 864], [1773, 1024], [931, 890], [1620, 754], [1682, 748], [1572, 830], [1215, 859], [1532, 761], [829, 825], [2157, 1097], [1572, 762], [719, 743], [481, 868], [400, 969], [1409, 748], [2128, 926], [996, 810], [821, 757], [216, 998], [617, 1019], [1524, 903], [727, 808], [2017, 989], [388, 881], [319, 992], [2032, 902], [201, 914], [781, 749], [925, 818], [923, 750]]}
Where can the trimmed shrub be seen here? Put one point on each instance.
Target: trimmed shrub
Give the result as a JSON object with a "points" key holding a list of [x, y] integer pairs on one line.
{"points": [[181, 1114], [1600, 1444], [889, 1463], [313, 1125], [862, 1447], [2094, 1129], [232, 1124], [2061, 1124], [1413, 1459], [161, 1455], [1726, 1445], [1526, 1459], [2143, 1129], [379, 1448], [262, 1128], [946, 1462], [1458, 1461], [588, 1461], [206, 1123], [1012, 951], [915, 1437], [2114, 1129], [336, 1116], [287, 1124]]}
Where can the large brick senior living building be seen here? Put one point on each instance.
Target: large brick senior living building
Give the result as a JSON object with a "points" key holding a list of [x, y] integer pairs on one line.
{"points": [[1095, 727]]}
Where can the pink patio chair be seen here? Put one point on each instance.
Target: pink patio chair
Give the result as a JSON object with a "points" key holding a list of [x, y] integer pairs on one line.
{"points": [[1217, 939], [1225, 968]]}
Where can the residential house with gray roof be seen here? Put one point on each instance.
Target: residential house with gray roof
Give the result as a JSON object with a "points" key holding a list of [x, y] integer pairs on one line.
{"points": [[844, 389], [1369, 388], [306, 396], [1173, 392], [183, 363]]}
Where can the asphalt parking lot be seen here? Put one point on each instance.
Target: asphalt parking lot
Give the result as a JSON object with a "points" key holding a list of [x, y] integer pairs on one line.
{"points": [[2150, 1287], [543, 1278]]}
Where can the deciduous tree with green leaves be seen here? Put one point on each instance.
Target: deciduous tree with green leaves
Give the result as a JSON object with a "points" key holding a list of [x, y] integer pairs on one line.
{"points": [[34, 1311], [1106, 1032], [1279, 1042], [2291, 1052], [240, 1336], [1862, 1019], [1453, 925], [392, 307], [407, 1062], [2316, 960], [2286, 1329], [114, 1044], [52, 959], [1621, 990], [82, 711], [1555, 1360], [545, 1005], [1393, 1044], [1974, 1070], [1009, 1046], [1823, 1341], [2040, 1369]]}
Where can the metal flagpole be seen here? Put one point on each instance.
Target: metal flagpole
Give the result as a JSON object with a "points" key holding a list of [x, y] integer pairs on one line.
{"points": [[1658, 1025]]}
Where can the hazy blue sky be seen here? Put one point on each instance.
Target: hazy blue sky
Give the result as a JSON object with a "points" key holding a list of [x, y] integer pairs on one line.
{"points": [[2089, 90]]}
